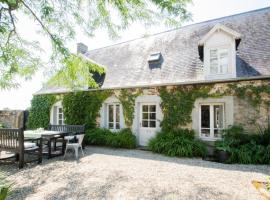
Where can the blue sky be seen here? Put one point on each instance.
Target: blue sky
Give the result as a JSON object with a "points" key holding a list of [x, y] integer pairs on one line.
{"points": [[201, 10]]}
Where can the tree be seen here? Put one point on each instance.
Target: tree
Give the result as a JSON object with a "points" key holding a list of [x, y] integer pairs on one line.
{"points": [[58, 20]]}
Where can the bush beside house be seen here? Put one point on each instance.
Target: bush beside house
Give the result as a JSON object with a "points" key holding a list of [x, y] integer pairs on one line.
{"points": [[180, 143], [104, 137], [246, 148]]}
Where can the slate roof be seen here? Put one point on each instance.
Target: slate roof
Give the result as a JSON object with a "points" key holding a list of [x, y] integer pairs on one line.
{"points": [[127, 64]]}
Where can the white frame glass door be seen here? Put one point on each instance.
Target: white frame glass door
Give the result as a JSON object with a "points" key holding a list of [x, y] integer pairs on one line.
{"points": [[115, 121], [215, 123]]}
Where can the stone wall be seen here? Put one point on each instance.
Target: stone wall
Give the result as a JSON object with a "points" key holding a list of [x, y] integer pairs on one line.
{"points": [[12, 118], [243, 113], [251, 118]]}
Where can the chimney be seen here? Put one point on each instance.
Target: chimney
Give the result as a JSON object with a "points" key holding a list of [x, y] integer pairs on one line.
{"points": [[81, 48]]}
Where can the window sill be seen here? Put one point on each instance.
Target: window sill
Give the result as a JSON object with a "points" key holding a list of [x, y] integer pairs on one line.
{"points": [[219, 76], [210, 139]]}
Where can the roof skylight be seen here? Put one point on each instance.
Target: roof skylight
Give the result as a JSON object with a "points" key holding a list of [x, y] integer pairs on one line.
{"points": [[154, 57]]}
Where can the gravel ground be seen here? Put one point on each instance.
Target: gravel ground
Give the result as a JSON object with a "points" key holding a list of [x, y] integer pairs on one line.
{"points": [[105, 173]]}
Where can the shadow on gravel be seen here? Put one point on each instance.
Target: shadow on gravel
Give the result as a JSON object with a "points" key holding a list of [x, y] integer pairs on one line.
{"points": [[143, 154]]}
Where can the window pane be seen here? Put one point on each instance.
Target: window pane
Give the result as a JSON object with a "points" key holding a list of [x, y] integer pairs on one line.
{"points": [[153, 108], [60, 110], [110, 113], [117, 126], [145, 115], [217, 133], [60, 122], [117, 110], [213, 61], [145, 108], [153, 116], [205, 132], [144, 123], [205, 116], [218, 116], [223, 59], [110, 125], [153, 124]]}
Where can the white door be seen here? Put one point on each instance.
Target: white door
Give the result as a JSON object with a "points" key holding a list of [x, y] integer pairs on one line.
{"points": [[148, 122]]}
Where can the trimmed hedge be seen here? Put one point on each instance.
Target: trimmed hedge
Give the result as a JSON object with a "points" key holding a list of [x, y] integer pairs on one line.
{"points": [[180, 142], [104, 137]]}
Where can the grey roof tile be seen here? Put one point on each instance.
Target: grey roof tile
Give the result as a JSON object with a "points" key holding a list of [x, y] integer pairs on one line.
{"points": [[127, 64]]}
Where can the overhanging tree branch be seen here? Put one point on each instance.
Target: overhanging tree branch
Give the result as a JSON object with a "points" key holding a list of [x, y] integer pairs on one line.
{"points": [[40, 22]]}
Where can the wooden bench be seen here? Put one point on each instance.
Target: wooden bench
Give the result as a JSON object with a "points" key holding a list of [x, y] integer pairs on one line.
{"points": [[68, 129], [12, 140]]}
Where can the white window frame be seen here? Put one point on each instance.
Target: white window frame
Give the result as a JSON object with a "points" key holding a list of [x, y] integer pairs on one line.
{"points": [[141, 116], [212, 129], [114, 116], [219, 49]]}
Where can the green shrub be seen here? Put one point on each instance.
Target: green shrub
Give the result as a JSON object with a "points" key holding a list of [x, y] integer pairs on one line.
{"points": [[180, 142], [246, 148], [5, 187], [268, 184], [104, 137], [96, 136], [3, 125]]}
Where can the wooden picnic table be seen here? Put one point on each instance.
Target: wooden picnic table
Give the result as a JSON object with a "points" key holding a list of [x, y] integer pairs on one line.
{"points": [[49, 137]]}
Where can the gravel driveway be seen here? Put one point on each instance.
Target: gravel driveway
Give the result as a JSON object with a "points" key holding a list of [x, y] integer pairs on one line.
{"points": [[134, 174]]}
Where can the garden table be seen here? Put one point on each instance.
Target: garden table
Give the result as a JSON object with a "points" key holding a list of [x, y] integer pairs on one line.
{"points": [[48, 136]]}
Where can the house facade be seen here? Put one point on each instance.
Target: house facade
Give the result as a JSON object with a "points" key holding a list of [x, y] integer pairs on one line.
{"points": [[230, 56]]}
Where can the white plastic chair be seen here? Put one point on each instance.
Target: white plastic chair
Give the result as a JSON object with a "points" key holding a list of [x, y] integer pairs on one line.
{"points": [[75, 146]]}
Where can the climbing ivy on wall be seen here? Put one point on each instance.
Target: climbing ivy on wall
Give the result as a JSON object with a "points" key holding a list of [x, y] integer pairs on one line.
{"points": [[39, 113], [178, 102], [254, 94], [83, 107], [127, 99]]}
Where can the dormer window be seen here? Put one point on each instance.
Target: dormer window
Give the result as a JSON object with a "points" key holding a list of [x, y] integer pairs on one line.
{"points": [[219, 61], [217, 49]]}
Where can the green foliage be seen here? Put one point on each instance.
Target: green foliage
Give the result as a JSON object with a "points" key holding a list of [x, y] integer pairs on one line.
{"points": [[97, 136], [268, 184], [252, 93], [83, 107], [58, 20], [5, 187], [177, 105], [127, 99], [104, 137], [223, 145], [77, 66], [39, 113], [246, 148], [180, 142], [2, 125]]}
